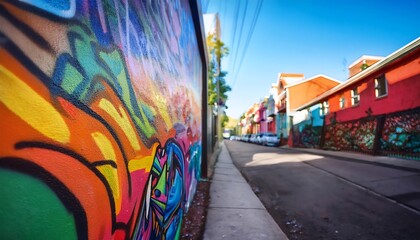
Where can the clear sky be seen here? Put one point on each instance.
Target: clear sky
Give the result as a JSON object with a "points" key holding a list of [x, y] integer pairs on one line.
{"points": [[306, 36]]}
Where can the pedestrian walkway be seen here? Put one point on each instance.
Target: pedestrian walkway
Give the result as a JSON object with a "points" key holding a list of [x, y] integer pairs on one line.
{"points": [[235, 212]]}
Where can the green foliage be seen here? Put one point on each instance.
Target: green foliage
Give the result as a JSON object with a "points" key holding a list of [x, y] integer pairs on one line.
{"points": [[364, 66], [216, 78], [225, 120]]}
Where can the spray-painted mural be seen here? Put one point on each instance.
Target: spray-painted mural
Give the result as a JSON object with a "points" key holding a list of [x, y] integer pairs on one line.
{"points": [[356, 135], [306, 135], [401, 135], [397, 134], [100, 105]]}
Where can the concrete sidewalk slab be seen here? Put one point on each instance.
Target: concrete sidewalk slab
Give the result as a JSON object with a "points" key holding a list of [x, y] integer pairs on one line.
{"points": [[227, 178], [233, 195], [227, 170], [235, 212], [241, 224]]}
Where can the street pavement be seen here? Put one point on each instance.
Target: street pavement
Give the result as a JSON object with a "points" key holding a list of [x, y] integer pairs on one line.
{"points": [[394, 178], [315, 194]]}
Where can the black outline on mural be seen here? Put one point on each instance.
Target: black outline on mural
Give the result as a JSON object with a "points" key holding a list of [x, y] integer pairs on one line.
{"points": [[68, 199], [31, 34], [81, 159]]}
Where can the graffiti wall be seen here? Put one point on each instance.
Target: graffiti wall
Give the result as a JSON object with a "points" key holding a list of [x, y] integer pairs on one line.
{"points": [[401, 135], [306, 135], [100, 128], [396, 134], [355, 136]]}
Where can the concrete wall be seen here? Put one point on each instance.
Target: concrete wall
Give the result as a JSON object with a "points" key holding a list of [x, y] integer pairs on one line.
{"points": [[101, 118]]}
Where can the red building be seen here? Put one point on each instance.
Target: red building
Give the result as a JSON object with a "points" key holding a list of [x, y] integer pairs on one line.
{"points": [[377, 108]]}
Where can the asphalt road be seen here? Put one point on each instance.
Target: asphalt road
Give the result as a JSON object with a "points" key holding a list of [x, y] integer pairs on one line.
{"points": [[315, 197]]}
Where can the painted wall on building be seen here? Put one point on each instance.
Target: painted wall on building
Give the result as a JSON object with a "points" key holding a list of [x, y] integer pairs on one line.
{"points": [[281, 124], [403, 76], [100, 105], [354, 135], [308, 131], [396, 134], [401, 135], [306, 135]]}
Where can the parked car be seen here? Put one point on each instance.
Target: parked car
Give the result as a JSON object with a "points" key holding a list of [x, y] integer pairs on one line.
{"points": [[249, 138], [234, 138], [253, 138], [259, 138], [270, 139], [246, 137]]}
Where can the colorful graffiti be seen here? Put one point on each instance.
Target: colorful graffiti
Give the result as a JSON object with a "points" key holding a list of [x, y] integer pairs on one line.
{"points": [[100, 131], [353, 136], [401, 135], [306, 136]]}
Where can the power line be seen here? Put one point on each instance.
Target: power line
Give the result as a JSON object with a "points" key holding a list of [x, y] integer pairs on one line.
{"points": [[240, 35], [234, 27], [205, 5], [248, 40]]}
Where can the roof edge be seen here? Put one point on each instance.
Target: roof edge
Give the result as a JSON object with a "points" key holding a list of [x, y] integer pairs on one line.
{"points": [[312, 78], [413, 45], [365, 57]]}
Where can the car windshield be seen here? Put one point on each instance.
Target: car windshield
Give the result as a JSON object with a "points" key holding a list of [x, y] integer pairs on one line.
{"points": [[271, 135]]}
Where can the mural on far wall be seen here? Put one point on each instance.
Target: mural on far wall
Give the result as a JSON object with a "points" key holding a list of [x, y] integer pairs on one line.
{"points": [[100, 131], [354, 135], [401, 135]]}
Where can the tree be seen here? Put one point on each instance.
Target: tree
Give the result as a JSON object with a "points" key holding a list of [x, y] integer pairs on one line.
{"points": [[225, 120], [216, 77]]}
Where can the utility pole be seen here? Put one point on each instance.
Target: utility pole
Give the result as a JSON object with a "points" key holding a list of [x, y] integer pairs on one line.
{"points": [[219, 104], [219, 71]]}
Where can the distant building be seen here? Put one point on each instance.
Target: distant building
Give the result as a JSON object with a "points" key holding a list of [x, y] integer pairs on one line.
{"points": [[212, 24], [293, 91]]}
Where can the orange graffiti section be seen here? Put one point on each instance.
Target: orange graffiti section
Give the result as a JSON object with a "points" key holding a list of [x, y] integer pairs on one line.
{"points": [[76, 147]]}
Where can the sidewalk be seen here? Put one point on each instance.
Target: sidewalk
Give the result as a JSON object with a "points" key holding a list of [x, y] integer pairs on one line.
{"points": [[235, 212]]}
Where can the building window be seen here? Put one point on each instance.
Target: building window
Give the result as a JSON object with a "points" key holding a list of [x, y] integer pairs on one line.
{"points": [[381, 86], [342, 101], [355, 97], [324, 108]]}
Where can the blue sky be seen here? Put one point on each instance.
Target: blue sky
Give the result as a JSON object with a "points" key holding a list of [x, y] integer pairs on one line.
{"points": [[307, 36]]}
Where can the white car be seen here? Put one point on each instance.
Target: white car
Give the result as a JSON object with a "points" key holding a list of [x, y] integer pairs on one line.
{"points": [[270, 139], [253, 138]]}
